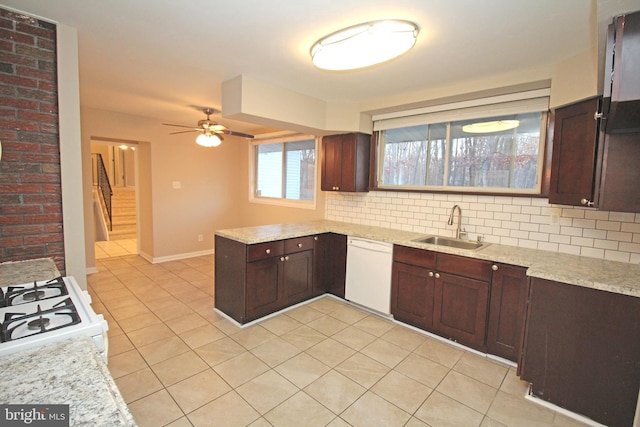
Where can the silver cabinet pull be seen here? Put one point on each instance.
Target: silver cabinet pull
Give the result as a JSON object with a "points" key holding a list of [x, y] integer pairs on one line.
{"points": [[494, 267], [299, 245], [286, 258], [268, 251], [315, 237], [431, 274], [586, 202], [437, 275], [282, 258]]}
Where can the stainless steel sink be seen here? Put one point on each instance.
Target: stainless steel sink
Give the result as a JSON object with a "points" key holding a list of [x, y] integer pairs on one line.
{"points": [[448, 241]]}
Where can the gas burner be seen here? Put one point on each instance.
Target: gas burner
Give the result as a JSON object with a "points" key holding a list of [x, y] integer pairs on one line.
{"points": [[33, 295], [18, 295], [39, 324], [22, 325]]}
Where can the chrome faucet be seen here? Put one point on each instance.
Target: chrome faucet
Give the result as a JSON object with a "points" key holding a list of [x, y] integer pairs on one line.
{"points": [[450, 222]]}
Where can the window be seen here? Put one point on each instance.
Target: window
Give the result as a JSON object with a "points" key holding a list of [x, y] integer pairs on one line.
{"points": [[420, 153], [284, 171]]}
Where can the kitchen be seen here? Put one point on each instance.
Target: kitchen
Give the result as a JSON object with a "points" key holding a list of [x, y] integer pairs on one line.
{"points": [[158, 244]]}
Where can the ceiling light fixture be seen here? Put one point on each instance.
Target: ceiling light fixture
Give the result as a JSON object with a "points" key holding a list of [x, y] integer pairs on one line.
{"points": [[493, 126], [364, 45], [208, 139]]}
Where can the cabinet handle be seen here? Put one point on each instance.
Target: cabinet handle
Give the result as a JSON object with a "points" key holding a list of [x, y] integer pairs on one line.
{"points": [[431, 274], [286, 258], [597, 115], [494, 267], [586, 202], [268, 251], [437, 275], [299, 245], [282, 258], [315, 238]]}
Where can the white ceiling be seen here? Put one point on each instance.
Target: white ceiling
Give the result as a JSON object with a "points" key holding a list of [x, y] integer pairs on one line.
{"points": [[162, 58]]}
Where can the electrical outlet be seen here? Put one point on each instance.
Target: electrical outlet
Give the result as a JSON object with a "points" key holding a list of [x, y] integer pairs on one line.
{"points": [[200, 237]]}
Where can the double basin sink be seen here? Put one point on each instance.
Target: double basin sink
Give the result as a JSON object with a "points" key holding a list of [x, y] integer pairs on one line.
{"points": [[450, 242]]}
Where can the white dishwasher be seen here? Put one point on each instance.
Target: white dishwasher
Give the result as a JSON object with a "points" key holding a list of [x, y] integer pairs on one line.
{"points": [[368, 281]]}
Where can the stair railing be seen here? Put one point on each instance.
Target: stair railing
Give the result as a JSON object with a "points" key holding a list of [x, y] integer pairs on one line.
{"points": [[101, 180]]}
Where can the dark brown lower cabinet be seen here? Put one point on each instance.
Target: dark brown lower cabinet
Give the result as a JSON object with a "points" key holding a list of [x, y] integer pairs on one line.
{"points": [[264, 287], [412, 295], [297, 277], [254, 280], [582, 350], [330, 264], [460, 309], [506, 311], [441, 293]]}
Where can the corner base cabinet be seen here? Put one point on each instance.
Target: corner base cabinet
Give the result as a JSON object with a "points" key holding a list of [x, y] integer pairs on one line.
{"points": [[582, 350], [252, 281]]}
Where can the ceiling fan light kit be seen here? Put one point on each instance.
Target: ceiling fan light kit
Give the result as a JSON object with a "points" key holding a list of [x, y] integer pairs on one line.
{"points": [[211, 132], [364, 45], [208, 140]]}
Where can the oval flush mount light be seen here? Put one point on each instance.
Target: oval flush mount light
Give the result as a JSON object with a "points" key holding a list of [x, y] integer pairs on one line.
{"points": [[492, 126], [364, 45]]}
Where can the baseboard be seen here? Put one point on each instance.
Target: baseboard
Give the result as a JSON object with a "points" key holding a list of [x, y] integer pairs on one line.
{"points": [[92, 270], [176, 257]]}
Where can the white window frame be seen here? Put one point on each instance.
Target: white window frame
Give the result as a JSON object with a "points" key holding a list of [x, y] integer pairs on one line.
{"points": [[277, 201], [485, 108]]}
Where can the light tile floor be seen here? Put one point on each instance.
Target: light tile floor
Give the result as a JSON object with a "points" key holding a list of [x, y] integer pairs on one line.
{"points": [[326, 363], [115, 248]]}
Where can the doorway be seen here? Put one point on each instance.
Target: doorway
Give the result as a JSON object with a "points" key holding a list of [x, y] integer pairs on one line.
{"points": [[115, 195]]}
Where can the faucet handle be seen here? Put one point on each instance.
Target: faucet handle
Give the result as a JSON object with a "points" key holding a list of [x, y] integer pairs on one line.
{"points": [[462, 235]]}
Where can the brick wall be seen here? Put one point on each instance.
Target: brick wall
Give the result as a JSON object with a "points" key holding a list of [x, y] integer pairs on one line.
{"points": [[30, 190], [516, 221]]}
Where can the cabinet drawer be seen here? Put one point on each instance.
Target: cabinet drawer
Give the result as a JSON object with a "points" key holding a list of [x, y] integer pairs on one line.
{"points": [[298, 244], [463, 266], [414, 256], [265, 250]]}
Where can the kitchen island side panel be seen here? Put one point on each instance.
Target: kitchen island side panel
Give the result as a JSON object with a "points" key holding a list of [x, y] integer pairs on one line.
{"points": [[582, 350], [230, 277]]}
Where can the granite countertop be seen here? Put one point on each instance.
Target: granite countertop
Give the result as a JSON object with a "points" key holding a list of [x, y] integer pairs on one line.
{"points": [[72, 373], [21, 272], [612, 276]]}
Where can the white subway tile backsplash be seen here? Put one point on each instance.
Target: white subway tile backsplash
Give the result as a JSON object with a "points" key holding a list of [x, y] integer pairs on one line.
{"points": [[516, 221]]}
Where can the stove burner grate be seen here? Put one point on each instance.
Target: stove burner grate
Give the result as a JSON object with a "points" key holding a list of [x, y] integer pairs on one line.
{"points": [[16, 295], [62, 314]]}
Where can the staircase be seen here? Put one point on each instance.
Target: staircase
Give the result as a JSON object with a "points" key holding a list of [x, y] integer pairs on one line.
{"points": [[123, 203]]}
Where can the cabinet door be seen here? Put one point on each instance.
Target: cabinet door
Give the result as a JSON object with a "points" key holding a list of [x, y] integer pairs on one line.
{"points": [[460, 309], [263, 287], [330, 253], [573, 162], [297, 277], [331, 163], [582, 350], [412, 295], [506, 311]]}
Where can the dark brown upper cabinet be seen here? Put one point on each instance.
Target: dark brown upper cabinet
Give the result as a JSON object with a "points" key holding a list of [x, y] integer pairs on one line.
{"points": [[590, 167], [573, 162], [622, 68], [345, 165]]}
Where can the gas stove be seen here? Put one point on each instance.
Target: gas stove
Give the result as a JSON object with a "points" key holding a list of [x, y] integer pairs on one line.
{"points": [[42, 312]]}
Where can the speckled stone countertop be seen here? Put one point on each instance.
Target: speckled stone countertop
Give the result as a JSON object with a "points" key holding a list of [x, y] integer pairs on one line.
{"points": [[72, 373], [21, 272], [612, 276]]}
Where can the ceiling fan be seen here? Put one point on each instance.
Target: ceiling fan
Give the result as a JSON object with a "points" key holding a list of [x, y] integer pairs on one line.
{"points": [[210, 131]]}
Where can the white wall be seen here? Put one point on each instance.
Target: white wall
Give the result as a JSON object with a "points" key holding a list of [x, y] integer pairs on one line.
{"points": [[516, 221]]}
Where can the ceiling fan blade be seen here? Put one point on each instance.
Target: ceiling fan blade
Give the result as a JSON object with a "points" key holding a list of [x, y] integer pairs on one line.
{"points": [[233, 133], [181, 126], [183, 131]]}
